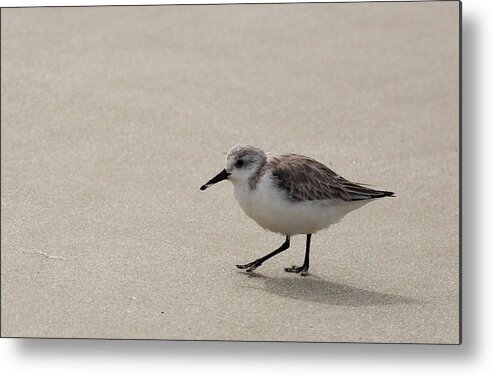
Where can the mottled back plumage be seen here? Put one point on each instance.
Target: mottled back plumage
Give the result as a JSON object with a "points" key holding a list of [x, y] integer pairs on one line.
{"points": [[305, 179]]}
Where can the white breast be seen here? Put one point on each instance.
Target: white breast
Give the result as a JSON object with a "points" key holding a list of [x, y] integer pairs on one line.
{"points": [[274, 211]]}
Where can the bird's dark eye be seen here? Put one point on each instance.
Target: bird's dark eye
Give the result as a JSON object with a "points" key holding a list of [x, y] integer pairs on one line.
{"points": [[239, 163]]}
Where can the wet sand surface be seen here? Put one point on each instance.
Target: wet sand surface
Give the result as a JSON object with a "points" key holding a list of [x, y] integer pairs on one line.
{"points": [[112, 118]]}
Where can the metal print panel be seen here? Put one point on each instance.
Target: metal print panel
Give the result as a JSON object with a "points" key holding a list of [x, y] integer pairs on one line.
{"points": [[291, 115]]}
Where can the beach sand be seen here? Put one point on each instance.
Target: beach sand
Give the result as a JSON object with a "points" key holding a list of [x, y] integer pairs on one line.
{"points": [[113, 117]]}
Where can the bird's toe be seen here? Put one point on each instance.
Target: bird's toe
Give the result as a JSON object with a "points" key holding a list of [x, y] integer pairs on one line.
{"points": [[250, 267], [297, 269]]}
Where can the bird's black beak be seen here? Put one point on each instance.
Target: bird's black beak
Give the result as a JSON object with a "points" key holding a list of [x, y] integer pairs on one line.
{"points": [[223, 175]]}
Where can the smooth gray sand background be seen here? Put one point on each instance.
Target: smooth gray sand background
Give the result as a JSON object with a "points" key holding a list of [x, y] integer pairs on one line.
{"points": [[112, 118]]}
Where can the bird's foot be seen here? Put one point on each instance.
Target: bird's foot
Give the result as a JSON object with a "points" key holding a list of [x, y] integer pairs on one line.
{"points": [[303, 270], [250, 267]]}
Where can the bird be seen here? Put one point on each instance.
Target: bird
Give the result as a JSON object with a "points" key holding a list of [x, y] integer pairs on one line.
{"points": [[290, 194]]}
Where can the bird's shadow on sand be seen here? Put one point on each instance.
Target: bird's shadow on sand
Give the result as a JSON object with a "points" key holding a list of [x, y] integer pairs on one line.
{"points": [[318, 290]]}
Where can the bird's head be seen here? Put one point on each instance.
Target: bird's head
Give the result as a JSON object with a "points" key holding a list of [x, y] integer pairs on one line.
{"points": [[242, 163]]}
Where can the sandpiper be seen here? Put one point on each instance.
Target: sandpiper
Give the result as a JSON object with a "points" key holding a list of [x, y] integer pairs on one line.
{"points": [[290, 194]]}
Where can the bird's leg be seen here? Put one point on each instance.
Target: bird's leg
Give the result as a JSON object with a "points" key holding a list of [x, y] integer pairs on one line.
{"points": [[251, 266], [304, 268]]}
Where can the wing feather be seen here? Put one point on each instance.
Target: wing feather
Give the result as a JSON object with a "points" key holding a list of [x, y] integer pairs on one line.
{"points": [[305, 179]]}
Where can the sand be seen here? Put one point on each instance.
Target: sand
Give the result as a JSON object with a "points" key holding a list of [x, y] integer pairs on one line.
{"points": [[112, 118]]}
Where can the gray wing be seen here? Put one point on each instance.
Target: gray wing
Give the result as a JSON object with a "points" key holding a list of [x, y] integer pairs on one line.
{"points": [[305, 179]]}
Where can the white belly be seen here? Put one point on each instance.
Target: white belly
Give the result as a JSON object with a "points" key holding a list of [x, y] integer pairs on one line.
{"points": [[272, 210]]}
